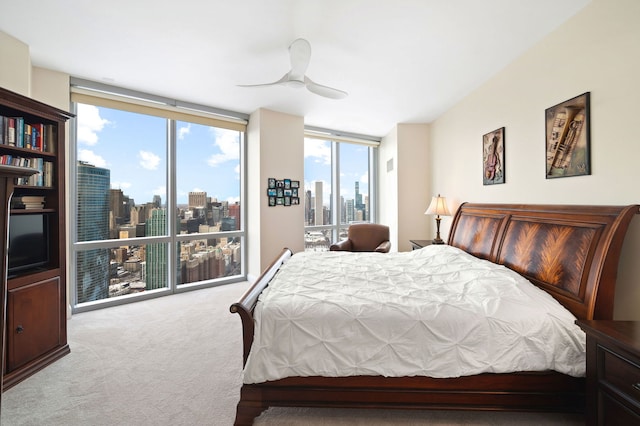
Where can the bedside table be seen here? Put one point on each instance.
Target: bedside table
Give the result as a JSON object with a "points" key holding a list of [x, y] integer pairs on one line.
{"points": [[613, 372], [418, 244]]}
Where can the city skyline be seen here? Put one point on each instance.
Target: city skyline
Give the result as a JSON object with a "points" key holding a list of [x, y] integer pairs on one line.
{"points": [[354, 167]]}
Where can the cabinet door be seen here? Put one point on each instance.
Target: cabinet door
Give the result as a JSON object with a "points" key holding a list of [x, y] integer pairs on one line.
{"points": [[33, 321]]}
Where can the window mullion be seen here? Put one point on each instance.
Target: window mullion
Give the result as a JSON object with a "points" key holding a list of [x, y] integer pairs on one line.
{"points": [[171, 205], [336, 211]]}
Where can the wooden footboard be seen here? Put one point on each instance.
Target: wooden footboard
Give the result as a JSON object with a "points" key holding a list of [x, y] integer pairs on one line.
{"points": [[244, 307], [543, 392]]}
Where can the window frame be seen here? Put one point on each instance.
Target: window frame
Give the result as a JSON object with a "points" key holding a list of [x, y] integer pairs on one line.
{"points": [[336, 138], [172, 111]]}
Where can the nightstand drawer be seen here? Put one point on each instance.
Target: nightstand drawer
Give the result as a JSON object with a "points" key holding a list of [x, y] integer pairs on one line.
{"points": [[621, 375], [611, 412]]}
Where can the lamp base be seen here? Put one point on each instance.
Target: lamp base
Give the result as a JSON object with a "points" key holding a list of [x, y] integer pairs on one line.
{"points": [[437, 239]]}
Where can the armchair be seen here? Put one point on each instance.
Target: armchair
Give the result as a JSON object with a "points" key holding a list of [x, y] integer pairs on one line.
{"points": [[365, 237]]}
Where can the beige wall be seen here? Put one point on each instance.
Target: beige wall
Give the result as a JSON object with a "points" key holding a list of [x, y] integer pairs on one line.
{"points": [[405, 189], [275, 149], [596, 51], [15, 66]]}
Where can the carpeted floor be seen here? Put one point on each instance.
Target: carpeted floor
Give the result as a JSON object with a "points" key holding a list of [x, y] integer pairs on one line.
{"points": [[177, 361]]}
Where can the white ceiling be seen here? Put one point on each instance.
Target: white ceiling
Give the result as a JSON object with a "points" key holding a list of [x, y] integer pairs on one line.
{"points": [[401, 61]]}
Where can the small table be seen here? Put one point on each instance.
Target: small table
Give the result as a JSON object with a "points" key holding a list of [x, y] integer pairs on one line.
{"points": [[418, 244], [613, 371]]}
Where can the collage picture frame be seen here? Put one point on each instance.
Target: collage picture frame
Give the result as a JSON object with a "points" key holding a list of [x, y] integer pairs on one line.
{"points": [[283, 192]]}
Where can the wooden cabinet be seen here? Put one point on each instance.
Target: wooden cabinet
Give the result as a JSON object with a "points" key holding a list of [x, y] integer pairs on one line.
{"points": [[613, 372], [34, 323]]}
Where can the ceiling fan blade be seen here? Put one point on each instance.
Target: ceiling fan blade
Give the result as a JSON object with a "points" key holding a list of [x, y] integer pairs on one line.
{"points": [[300, 55], [326, 91], [284, 79]]}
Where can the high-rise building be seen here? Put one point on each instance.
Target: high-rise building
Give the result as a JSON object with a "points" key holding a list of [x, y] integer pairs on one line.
{"points": [[350, 211], [116, 203], [234, 212], [92, 272], [308, 208], [319, 213], [197, 199], [156, 255]]}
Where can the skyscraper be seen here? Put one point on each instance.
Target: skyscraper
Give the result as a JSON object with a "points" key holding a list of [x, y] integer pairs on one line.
{"points": [[197, 199], [93, 224], [156, 254], [234, 212], [319, 213]]}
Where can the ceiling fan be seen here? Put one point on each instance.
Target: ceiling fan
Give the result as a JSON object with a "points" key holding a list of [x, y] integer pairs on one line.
{"points": [[300, 54]]}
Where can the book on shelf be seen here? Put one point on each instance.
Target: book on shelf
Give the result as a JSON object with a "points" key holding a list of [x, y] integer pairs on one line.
{"points": [[15, 131], [19, 129], [11, 131], [28, 202], [44, 177]]}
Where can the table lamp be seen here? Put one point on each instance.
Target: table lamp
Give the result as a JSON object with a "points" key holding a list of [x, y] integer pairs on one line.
{"points": [[438, 207]]}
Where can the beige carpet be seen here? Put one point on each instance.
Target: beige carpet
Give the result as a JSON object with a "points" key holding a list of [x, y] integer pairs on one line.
{"points": [[177, 361]]}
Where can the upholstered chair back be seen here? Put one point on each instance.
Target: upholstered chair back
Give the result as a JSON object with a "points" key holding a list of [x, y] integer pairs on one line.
{"points": [[365, 237]]}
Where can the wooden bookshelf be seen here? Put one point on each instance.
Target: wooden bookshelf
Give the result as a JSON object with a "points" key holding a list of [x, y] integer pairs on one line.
{"points": [[35, 321]]}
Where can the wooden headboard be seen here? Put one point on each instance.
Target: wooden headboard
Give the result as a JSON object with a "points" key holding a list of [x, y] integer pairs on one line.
{"points": [[570, 251]]}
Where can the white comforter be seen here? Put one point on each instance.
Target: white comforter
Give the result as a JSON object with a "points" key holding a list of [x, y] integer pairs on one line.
{"points": [[436, 312]]}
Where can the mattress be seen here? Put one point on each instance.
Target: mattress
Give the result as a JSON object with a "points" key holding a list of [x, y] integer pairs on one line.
{"points": [[436, 312]]}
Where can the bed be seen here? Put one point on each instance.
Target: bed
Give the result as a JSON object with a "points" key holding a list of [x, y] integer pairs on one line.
{"points": [[570, 252]]}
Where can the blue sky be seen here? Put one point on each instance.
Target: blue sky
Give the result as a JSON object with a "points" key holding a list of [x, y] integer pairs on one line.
{"points": [[353, 168], [133, 147]]}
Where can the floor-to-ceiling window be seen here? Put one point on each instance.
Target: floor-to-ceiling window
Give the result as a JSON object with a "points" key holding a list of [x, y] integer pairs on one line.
{"points": [[157, 197], [339, 185]]}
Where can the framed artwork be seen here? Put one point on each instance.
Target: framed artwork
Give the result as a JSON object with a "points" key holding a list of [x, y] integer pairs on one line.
{"points": [[493, 157], [568, 138]]}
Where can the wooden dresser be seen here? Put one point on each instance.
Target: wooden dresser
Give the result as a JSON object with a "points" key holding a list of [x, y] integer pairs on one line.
{"points": [[613, 372]]}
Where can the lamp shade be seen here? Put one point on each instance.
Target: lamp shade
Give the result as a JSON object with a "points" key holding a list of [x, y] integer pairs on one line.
{"points": [[438, 206]]}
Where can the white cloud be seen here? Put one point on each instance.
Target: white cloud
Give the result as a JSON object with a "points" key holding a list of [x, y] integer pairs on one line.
{"points": [[89, 124], [91, 157], [149, 160], [182, 131], [160, 190], [120, 185], [318, 148], [229, 146], [364, 178]]}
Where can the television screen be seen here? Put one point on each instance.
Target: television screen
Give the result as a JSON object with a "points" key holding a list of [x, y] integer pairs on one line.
{"points": [[28, 242]]}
